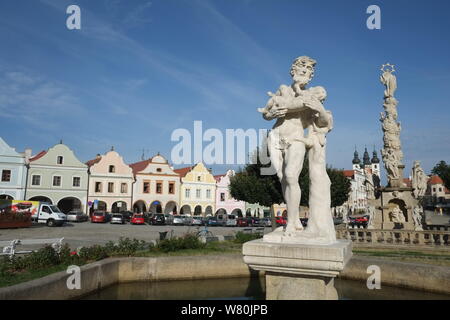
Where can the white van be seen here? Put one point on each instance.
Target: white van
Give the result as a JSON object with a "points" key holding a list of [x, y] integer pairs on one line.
{"points": [[49, 214], [231, 221]]}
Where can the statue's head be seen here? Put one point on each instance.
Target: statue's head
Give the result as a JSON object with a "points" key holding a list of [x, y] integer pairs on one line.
{"points": [[302, 70]]}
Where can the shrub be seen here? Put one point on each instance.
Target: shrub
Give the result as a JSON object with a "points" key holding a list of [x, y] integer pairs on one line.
{"points": [[95, 253], [242, 237], [127, 246], [188, 241]]}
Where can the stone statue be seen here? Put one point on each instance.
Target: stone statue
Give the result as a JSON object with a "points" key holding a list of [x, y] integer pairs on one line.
{"points": [[371, 212], [397, 215], [389, 80], [295, 109], [419, 180], [391, 163], [417, 218]]}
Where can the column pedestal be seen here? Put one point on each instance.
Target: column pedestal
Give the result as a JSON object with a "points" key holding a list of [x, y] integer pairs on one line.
{"points": [[298, 271]]}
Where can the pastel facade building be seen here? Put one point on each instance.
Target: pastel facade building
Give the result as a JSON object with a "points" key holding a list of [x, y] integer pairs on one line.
{"points": [[157, 186], [225, 203], [110, 183], [13, 172], [58, 177], [198, 190]]}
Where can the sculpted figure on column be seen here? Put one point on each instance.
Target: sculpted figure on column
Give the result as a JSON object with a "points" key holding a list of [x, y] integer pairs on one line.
{"points": [[296, 108], [419, 180]]}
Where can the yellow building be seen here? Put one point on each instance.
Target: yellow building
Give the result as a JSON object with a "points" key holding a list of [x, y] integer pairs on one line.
{"points": [[197, 191]]}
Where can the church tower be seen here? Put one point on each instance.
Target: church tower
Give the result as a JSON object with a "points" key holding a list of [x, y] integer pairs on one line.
{"points": [[375, 163], [356, 162]]}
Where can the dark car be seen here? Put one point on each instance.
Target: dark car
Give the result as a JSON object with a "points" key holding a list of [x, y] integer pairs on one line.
{"points": [[127, 215], [77, 216], [158, 219], [242, 222], [254, 222], [213, 222]]}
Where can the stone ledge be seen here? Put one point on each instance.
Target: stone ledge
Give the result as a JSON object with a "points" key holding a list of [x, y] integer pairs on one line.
{"points": [[304, 259]]}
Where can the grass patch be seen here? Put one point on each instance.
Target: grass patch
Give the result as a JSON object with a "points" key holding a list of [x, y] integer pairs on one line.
{"points": [[46, 261]]}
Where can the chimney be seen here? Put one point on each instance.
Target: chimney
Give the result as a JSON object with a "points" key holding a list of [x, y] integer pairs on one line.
{"points": [[27, 155]]}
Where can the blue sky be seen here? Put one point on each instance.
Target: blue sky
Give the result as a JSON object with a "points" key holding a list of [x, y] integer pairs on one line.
{"points": [[139, 69]]}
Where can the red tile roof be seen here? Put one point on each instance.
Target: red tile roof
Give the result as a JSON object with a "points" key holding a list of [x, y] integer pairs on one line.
{"points": [[435, 180], [349, 173], [90, 163], [139, 166], [39, 155], [183, 171]]}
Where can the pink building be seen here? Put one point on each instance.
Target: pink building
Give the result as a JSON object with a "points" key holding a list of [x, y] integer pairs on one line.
{"points": [[226, 204]]}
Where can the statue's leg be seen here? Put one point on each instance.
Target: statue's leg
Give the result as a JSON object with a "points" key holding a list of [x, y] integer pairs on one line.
{"points": [[293, 164], [276, 157]]}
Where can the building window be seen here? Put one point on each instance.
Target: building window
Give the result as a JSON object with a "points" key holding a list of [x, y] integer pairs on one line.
{"points": [[35, 180], [158, 170], [222, 196], [98, 187], [59, 160], [158, 187], [171, 187], [199, 178], [6, 175], [76, 182], [123, 188], [110, 187], [208, 193], [440, 189], [146, 187], [112, 169], [434, 189], [197, 193], [187, 193], [57, 181]]}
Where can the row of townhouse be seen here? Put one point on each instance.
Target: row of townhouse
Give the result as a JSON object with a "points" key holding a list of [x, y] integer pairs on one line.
{"points": [[108, 183]]}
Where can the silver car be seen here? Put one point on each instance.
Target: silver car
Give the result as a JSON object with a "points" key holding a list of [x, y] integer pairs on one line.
{"points": [[178, 220], [118, 218], [197, 221]]}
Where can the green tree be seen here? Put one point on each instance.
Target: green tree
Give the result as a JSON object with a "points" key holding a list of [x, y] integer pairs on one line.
{"points": [[442, 169], [250, 186]]}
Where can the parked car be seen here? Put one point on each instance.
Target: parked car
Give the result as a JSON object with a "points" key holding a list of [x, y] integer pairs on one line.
{"points": [[241, 222], [197, 221], [213, 222], [138, 218], [99, 217], [187, 220], [158, 219], [338, 221], [127, 215], [76, 216], [266, 222], [169, 218], [118, 218], [231, 221], [178, 220], [281, 221]]}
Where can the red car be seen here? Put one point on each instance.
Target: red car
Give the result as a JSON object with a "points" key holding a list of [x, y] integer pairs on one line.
{"points": [[137, 219], [281, 221], [99, 217], [242, 222]]}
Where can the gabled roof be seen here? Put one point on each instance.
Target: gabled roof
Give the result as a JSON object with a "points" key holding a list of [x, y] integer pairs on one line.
{"points": [[139, 166], [90, 163], [38, 156], [183, 171], [435, 180]]}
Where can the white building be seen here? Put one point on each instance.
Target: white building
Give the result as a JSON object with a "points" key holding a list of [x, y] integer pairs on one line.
{"points": [[13, 171]]}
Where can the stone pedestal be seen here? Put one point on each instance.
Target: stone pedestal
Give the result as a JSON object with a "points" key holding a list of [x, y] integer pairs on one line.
{"points": [[298, 271]]}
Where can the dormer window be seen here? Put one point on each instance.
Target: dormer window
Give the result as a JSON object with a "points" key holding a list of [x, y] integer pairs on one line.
{"points": [[112, 169], [158, 170], [199, 178], [59, 160]]}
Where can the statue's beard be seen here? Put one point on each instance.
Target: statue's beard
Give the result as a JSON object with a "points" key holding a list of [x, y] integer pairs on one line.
{"points": [[301, 80]]}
